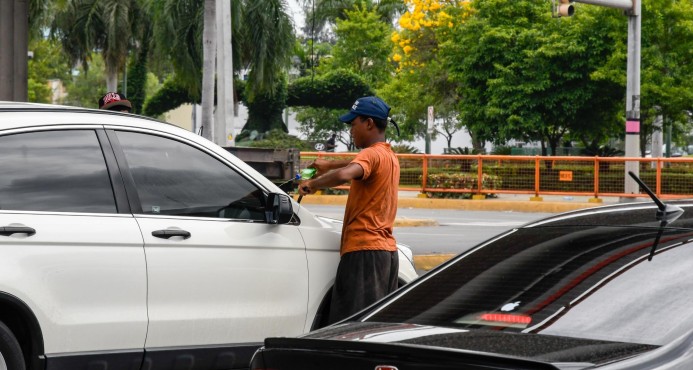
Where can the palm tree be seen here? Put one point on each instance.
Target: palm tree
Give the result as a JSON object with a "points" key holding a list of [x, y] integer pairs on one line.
{"points": [[209, 45], [263, 40], [84, 26]]}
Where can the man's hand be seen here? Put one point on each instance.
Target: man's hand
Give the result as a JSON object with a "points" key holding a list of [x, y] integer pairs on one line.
{"points": [[305, 188], [322, 165]]}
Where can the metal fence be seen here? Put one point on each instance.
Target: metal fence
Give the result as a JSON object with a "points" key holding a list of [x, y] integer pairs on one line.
{"points": [[438, 175]]}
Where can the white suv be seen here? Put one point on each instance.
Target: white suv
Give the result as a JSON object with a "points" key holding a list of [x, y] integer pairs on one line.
{"points": [[127, 243]]}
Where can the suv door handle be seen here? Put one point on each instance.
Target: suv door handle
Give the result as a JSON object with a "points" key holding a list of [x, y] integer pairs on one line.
{"points": [[9, 230], [168, 233]]}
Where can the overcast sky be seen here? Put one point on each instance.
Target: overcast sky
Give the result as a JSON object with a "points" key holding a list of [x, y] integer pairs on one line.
{"points": [[296, 13]]}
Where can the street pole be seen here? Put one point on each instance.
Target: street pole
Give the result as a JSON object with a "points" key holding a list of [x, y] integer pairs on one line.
{"points": [[633, 99], [430, 118]]}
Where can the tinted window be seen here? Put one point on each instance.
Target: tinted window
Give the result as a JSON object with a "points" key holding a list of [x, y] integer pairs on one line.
{"points": [[62, 171], [581, 282], [173, 178]]}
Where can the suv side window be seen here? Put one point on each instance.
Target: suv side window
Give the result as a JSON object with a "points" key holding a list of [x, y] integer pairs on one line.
{"points": [[173, 178], [54, 171]]}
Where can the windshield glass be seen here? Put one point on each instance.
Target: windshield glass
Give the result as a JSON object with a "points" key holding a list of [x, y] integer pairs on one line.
{"points": [[573, 281]]}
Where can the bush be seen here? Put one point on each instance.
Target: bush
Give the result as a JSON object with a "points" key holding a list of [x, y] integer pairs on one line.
{"points": [[404, 149], [459, 181]]}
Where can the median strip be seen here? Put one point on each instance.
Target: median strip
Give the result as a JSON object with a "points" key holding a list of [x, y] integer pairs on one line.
{"points": [[413, 222], [425, 262]]}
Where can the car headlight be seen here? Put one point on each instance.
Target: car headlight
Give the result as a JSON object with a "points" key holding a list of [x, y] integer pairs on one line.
{"points": [[406, 251]]}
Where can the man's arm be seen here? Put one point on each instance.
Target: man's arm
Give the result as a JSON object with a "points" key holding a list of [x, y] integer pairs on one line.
{"points": [[324, 166], [332, 179]]}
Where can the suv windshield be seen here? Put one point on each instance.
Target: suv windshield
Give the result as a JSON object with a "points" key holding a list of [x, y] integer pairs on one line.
{"points": [[572, 281]]}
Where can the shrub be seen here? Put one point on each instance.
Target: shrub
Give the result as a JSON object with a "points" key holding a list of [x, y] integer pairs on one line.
{"points": [[459, 181]]}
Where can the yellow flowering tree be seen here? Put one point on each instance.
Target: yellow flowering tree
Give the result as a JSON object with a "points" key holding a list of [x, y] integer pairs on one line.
{"points": [[421, 78]]}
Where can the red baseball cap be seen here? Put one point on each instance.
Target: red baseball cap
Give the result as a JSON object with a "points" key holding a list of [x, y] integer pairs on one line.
{"points": [[112, 100]]}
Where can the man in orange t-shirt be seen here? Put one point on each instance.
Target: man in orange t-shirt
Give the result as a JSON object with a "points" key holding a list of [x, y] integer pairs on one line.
{"points": [[369, 262]]}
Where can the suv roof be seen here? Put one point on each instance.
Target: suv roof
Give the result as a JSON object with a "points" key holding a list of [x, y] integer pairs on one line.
{"points": [[12, 106]]}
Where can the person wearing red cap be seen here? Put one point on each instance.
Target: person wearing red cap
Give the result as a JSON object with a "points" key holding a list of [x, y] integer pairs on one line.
{"points": [[116, 102], [369, 262]]}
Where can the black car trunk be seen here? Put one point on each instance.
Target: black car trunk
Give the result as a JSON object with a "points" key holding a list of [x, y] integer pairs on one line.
{"points": [[314, 354]]}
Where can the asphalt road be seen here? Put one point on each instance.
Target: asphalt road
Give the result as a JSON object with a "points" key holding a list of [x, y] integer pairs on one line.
{"points": [[457, 230]]}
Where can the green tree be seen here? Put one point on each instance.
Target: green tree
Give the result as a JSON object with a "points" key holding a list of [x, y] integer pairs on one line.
{"points": [[84, 26], [263, 40], [359, 62], [48, 63], [362, 46], [80, 90], [319, 13], [524, 75], [422, 78], [666, 69]]}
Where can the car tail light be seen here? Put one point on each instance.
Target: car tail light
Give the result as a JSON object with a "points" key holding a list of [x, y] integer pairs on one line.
{"points": [[506, 318]]}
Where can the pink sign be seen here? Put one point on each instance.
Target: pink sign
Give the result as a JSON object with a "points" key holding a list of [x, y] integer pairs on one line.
{"points": [[632, 127]]}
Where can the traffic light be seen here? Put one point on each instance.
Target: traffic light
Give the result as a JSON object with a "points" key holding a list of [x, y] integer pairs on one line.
{"points": [[565, 8]]}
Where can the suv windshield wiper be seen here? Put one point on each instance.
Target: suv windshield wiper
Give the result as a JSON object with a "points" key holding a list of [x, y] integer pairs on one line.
{"points": [[666, 214]]}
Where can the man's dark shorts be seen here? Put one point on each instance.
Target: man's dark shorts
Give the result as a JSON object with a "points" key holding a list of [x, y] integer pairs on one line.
{"points": [[363, 277]]}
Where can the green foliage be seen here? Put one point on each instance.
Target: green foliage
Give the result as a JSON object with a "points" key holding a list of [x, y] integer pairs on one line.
{"points": [[105, 25], [49, 62], [329, 11], [337, 90], [601, 151], [403, 148], [87, 87], [318, 123], [460, 181], [422, 80], [137, 79], [262, 41], [170, 96], [502, 150], [265, 110], [666, 72], [525, 75], [464, 151], [278, 139], [362, 46]]}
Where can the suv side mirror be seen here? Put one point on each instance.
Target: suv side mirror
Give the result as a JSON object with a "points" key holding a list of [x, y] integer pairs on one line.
{"points": [[278, 209]]}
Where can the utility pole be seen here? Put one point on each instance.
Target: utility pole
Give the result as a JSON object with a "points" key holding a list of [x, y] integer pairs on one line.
{"points": [[633, 99]]}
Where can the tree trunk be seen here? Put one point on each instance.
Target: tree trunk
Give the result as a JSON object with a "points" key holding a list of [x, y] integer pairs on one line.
{"points": [[111, 80], [21, 49], [7, 50], [209, 44]]}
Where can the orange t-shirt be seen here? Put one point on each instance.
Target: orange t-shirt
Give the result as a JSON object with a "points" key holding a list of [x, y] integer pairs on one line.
{"points": [[372, 203]]}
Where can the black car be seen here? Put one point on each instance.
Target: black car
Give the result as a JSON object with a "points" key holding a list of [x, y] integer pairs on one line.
{"points": [[606, 288]]}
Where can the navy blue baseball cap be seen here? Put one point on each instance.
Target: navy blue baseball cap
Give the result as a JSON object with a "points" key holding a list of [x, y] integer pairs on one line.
{"points": [[369, 106]]}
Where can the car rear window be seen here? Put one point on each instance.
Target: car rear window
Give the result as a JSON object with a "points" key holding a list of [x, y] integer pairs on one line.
{"points": [[54, 171], [581, 282]]}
